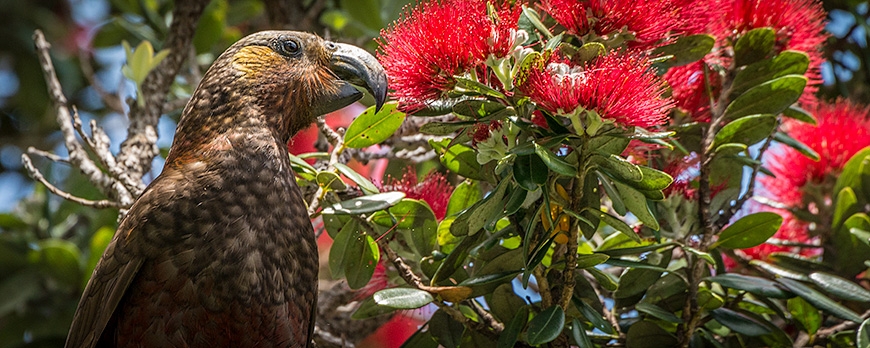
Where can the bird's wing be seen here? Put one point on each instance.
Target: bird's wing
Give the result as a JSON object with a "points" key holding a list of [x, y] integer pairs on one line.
{"points": [[104, 291]]}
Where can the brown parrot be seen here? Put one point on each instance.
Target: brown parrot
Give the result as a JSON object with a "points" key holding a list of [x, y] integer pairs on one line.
{"points": [[219, 251]]}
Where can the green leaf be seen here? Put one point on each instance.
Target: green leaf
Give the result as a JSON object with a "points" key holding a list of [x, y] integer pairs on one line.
{"points": [[447, 331], [372, 127], [686, 49], [512, 330], [754, 285], [475, 218], [59, 259], [464, 196], [365, 204], [459, 158], [555, 163], [618, 168], [863, 339], [856, 174], [579, 334], [805, 313], [546, 326], [99, 241], [402, 298], [361, 11], [338, 251], [793, 143], [444, 128], [749, 231], [529, 173], [362, 257], [472, 87], [747, 130], [755, 45], [636, 203], [779, 271], [658, 312], [739, 322], [771, 97], [369, 309], [417, 218], [588, 51], [786, 63], [840, 287], [331, 181], [17, 289], [364, 184], [647, 334], [590, 260], [795, 112], [653, 179], [636, 281], [610, 220], [477, 108], [845, 206], [819, 300]]}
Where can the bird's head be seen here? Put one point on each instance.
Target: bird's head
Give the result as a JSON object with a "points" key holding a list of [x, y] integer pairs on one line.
{"points": [[284, 77]]}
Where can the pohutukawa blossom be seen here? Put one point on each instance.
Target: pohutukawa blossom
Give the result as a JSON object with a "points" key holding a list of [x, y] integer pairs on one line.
{"points": [[689, 89], [434, 189], [437, 40], [618, 86], [843, 129], [645, 22]]}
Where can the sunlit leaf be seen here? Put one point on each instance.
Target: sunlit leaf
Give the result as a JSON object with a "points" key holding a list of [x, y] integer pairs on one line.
{"points": [[372, 127]]}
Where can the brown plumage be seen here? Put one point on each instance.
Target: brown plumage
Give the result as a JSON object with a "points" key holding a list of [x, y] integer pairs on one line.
{"points": [[218, 251]]}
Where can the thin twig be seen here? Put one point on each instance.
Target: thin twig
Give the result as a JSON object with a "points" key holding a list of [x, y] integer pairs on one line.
{"points": [[52, 157], [78, 157], [37, 175], [112, 101]]}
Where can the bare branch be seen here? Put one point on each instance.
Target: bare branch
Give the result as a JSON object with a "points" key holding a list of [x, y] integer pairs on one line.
{"points": [[78, 157], [140, 147], [37, 175]]}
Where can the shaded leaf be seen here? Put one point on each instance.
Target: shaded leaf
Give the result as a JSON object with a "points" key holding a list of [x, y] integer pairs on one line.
{"points": [[749, 231], [819, 300], [738, 322], [546, 326], [754, 45], [364, 184], [771, 97], [646, 334], [755, 285]]}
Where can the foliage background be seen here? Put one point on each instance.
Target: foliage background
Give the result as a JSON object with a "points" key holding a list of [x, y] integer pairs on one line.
{"points": [[40, 276]]}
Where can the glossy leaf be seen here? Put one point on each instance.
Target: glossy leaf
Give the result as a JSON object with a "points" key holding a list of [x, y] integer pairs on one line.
{"points": [[646, 334], [739, 322], [369, 309], [555, 163], [365, 204], [578, 333], [747, 130], [840, 287], [546, 326], [753, 46], [856, 174], [749, 231], [464, 196], [417, 218], [360, 261], [330, 181], [805, 313], [364, 184], [820, 300], [636, 203], [785, 63], [793, 143], [402, 298], [372, 127], [459, 158], [686, 49], [529, 171], [863, 339], [512, 330], [771, 97], [618, 168], [612, 221], [755, 285], [477, 108]]}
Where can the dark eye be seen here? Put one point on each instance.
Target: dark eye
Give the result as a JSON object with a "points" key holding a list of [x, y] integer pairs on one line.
{"points": [[289, 48]]}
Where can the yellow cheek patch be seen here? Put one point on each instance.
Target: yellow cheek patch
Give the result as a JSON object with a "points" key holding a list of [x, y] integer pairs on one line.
{"points": [[254, 60]]}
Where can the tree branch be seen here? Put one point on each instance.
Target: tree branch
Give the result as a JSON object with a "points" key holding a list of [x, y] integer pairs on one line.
{"points": [[37, 175], [140, 147]]}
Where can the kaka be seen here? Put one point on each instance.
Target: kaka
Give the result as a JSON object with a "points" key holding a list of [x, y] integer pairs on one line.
{"points": [[219, 251]]}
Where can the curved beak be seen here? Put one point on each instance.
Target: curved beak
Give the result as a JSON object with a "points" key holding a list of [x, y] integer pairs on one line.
{"points": [[356, 67]]}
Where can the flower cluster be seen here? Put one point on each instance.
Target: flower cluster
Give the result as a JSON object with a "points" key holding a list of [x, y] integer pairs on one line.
{"points": [[843, 129], [799, 26], [618, 86], [642, 23], [437, 40], [434, 189]]}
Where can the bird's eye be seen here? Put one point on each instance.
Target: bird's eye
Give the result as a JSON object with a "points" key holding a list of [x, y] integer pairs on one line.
{"points": [[289, 48]]}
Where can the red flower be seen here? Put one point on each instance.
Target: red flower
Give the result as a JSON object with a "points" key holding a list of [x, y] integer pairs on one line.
{"points": [[843, 129], [437, 40], [689, 89], [647, 21], [618, 86], [434, 189]]}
